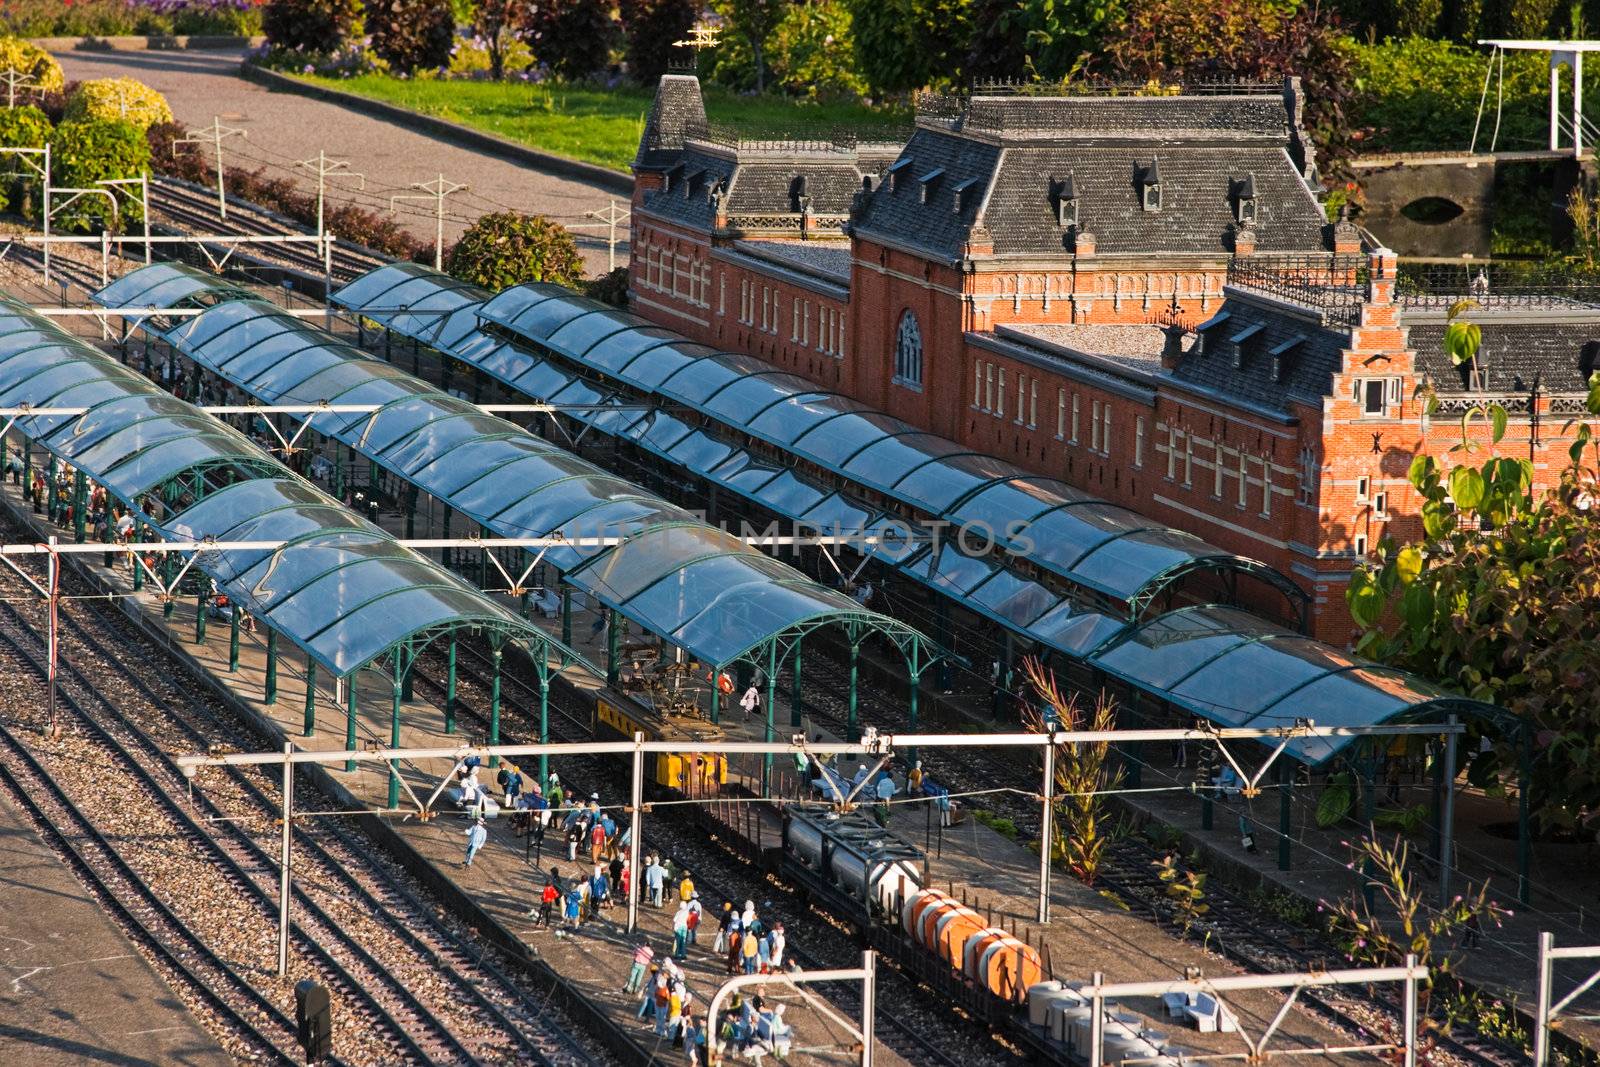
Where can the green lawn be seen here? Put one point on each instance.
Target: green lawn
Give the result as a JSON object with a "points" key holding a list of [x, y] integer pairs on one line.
{"points": [[592, 124]]}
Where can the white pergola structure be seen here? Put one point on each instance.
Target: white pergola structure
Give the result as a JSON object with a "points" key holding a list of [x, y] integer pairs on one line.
{"points": [[1571, 54]]}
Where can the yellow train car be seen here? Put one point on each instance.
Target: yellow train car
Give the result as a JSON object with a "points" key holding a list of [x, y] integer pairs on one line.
{"points": [[688, 772]]}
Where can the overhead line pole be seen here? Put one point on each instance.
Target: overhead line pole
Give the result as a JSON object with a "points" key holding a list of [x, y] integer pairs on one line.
{"points": [[326, 168], [436, 191], [213, 135]]}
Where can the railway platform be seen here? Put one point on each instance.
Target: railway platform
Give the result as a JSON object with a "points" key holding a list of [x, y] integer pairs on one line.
{"points": [[590, 965], [73, 988]]}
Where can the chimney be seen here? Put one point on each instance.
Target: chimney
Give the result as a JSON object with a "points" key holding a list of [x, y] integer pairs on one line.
{"points": [[1083, 243], [1172, 345], [1346, 236], [1244, 241]]}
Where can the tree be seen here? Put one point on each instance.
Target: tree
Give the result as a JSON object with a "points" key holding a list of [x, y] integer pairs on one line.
{"points": [[651, 30], [498, 23], [905, 45], [311, 25], [755, 21], [1500, 597], [1083, 772], [408, 34], [1257, 40], [573, 38], [509, 248]]}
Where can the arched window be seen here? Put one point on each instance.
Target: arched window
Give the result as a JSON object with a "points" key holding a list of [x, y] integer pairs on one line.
{"points": [[908, 351]]}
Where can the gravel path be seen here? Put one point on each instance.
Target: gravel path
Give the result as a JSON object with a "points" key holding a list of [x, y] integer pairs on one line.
{"points": [[283, 127]]}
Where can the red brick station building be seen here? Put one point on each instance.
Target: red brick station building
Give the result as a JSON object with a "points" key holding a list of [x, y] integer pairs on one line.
{"points": [[1139, 295]]}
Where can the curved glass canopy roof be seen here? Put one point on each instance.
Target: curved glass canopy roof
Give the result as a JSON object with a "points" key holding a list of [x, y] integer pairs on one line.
{"points": [[699, 588], [1223, 664], [1233, 669], [345, 592], [167, 286], [1090, 542]]}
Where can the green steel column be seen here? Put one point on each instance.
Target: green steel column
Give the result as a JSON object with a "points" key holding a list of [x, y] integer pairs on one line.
{"points": [[941, 634], [233, 637], [450, 691], [1369, 813], [852, 733], [394, 726], [716, 698], [613, 668], [1524, 830], [80, 500], [407, 685], [272, 668], [411, 514], [772, 711], [1285, 813], [310, 726], [50, 488], [444, 553], [27, 465], [138, 571], [338, 474], [167, 606], [496, 652], [794, 695], [350, 719], [200, 618], [916, 684], [566, 615], [544, 719], [483, 561]]}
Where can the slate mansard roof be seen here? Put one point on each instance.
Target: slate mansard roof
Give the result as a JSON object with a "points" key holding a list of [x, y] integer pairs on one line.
{"points": [[1241, 347], [1518, 348], [1014, 158]]}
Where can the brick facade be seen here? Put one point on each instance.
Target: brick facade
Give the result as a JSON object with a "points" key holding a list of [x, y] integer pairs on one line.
{"points": [[1274, 434]]}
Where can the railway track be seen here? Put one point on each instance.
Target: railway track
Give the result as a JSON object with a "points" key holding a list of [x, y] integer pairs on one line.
{"points": [[191, 210], [249, 1024], [905, 1023], [489, 1017]]}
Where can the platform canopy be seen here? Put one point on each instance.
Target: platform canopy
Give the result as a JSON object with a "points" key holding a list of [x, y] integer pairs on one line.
{"points": [[1234, 669], [344, 592], [169, 285], [1099, 547], [699, 588]]}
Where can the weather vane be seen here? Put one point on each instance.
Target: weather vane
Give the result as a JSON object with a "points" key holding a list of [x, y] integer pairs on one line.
{"points": [[701, 35]]}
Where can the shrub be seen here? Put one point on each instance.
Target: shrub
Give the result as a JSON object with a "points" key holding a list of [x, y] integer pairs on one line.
{"points": [[498, 29], [411, 34], [509, 248], [27, 58], [85, 152], [311, 25], [119, 100], [573, 38], [651, 29], [104, 18], [611, 288], [21, 127]]}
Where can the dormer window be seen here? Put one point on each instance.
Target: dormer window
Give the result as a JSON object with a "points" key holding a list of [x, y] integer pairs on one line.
{"points": [[1066, 198], [671, 178], [692, 187], [799, 200], [929, 183], [1244, 200], [1239, 340], [1150, 186], [961, 193], [1281, 354], [1206, 344], [898, 168], [1588, 360]]}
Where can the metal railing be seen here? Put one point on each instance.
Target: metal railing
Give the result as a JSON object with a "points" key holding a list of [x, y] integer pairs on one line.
{"points": [[801, 139], [1498, 285], [1334, 285]]}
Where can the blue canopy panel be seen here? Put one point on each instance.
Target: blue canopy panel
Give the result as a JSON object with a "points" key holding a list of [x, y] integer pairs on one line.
{"points": [[1097, 545], [514, 484], [136, 438], [167, 286], [413, 300], [1233, 669]]}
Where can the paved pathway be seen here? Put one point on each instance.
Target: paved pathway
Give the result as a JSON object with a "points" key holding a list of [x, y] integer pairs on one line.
{"points": [[72, 988], [283, 127]]}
